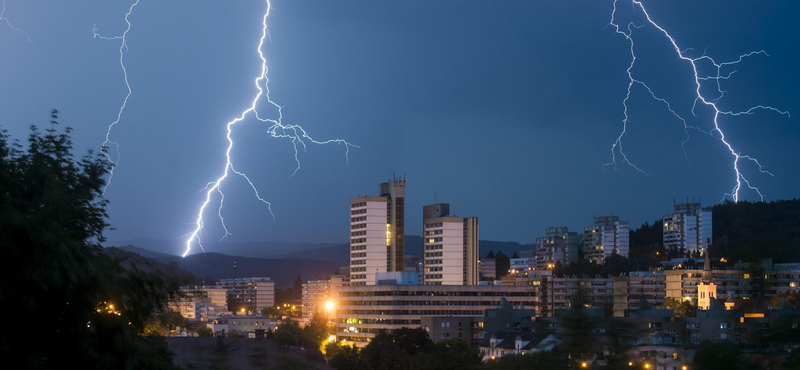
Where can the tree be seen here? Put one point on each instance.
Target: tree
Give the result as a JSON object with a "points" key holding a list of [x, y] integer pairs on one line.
{"points": [[449, 354], [502, 264], [384, 353], [162, 322], [204, 332], [289, 333], [682, 308], [88, 307], [548, 360], [792, 361], [317, 331], [793, 297], [344, 357], [722, 355]]}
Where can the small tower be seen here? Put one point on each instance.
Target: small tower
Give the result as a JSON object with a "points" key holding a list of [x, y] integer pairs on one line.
{"points": [[706, 290], [234, 268]]}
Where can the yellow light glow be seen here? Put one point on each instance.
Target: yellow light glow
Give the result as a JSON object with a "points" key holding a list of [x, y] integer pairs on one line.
{"points": [[646, 366], [329, 305], [630, 363], [583, 364]]}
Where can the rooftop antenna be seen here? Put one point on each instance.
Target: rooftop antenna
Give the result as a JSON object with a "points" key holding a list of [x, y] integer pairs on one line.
{"points": [[234, 268]]}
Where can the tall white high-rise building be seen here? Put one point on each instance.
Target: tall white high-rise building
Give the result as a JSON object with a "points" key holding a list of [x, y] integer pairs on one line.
{"points": [[377, 226], [450, 247], [607, 236], [688, 228]]}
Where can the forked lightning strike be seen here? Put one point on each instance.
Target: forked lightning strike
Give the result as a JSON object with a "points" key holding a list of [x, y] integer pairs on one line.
{"points": [[616, 148], [123, 48], [4, 19], [277, 129]]}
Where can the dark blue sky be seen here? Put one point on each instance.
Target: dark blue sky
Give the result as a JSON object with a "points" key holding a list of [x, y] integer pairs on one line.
{"points": [[505, 109]]}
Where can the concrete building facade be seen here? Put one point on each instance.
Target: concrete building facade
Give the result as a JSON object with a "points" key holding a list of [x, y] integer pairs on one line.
{"points": [[607, 236], [688, 228], [450, 246], [377, 227], [558, 245], [249, 295]]}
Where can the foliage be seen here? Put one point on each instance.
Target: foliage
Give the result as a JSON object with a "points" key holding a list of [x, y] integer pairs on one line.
{"points": [[204, 332], [722, 355], [162, 322], [449, 354], [384, 353], [749, 231], [87, 307], [793, 297], [682, 308], [647, 240], [792, 361], [317, 331], [502, 264], [344, 357], [544, 360], [289, 333]]}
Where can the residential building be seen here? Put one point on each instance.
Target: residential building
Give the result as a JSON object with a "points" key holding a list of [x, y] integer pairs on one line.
{"points": [[366, 310], [558, 245], [450, 247], [241, 325], [200, 302], [377, 227], [607, 236], [743, 280], [688, 228], [489, 267], [321, 295], [631, 290], [249, 295], [448, 327]]}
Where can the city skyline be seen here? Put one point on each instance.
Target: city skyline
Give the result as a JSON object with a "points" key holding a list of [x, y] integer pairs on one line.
{"points": [[511, 121]]}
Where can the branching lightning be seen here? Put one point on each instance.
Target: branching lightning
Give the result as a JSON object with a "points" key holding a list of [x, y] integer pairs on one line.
{"points": [[616, 148], [123, 48], [296, 134], [3, 18]]}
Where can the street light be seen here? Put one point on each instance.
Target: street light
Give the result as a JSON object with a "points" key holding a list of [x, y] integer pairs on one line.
{"points": [[583, 364]]}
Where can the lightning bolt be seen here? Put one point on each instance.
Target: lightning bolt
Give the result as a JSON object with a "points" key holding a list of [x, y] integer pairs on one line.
{"points": [[3, 18], [710, 102], [294, 133], [123, 48]]}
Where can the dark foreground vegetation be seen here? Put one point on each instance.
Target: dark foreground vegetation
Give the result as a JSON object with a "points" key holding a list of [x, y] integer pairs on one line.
{"points": [[69, 304]]}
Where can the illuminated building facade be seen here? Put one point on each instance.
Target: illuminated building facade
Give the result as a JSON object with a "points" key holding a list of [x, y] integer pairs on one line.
{"points": [[607, 236], [688, 228], [377, 226], [450, 247], [558, 245], [251, 294]]}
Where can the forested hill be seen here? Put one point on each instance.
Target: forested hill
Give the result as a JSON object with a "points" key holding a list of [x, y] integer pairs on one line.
{"points": [[748, 231], [744, 231]]}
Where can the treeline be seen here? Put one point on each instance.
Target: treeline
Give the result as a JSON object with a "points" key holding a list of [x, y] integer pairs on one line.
{"points": [[749, 231], [82, 308]]}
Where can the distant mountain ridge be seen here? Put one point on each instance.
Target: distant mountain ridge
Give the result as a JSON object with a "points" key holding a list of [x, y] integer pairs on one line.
{"points": [[210, 267], [336, 253]]}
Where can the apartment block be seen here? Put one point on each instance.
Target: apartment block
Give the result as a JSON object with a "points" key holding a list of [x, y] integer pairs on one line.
{"points": [[318, 293], [608, 235], [558, 245], [200, 302], [450, 247], [688, 228], [249, 295], [377, 227], [366, 310]]}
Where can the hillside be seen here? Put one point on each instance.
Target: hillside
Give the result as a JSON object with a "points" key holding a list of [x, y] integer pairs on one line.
{"points": [[749, 231], [211, 267], [147, 263]]}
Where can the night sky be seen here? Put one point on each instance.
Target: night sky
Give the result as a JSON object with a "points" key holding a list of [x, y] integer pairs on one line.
{"points": [[505, 109]]}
